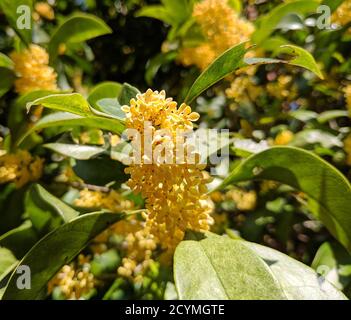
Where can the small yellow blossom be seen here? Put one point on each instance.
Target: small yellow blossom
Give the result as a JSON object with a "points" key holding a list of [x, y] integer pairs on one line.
{"points": [[283, 88], [74, 280], [222, 28], [284, 137], [342, 15], [347, 91], [33, 71], [244, 200], [175, 193], [44, 10], [112, 201], [347, 148], [20, 168]]}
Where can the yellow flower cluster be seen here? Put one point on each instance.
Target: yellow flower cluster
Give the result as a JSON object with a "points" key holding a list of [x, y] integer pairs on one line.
{"points": [[347, 91], [112, 201], [175, 194], [244, 200], [347, 148], [138, 244], [284, 137], [342, 15], [20, 168], [283, 88], [43, 9], [33, 71], [74, 280], [222, 28]]}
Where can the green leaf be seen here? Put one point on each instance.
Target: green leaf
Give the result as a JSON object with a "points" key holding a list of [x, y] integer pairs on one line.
{"points": [[5, 61], [10, 7], [46, 211], [128, 92], [6, 80], [157, 12], [224, 65], [268, 23], [79, 152], [234, 58], [7, 262], [104, 90], [110, 107], [18, 108], [20, 239], [328, 190], [69, 102], [229, 269], [109, 171], [63, 244], [331, 115], [314, 136], [301, 58], [72, 120], [333, 262], [77, 28]]}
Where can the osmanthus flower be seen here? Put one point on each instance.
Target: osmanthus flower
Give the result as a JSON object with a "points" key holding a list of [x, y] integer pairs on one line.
{"points": [[43, 9], [137, 245], [347, 148], [33, 71], [175, 193], [347, 91], [73, 281], [342, 15], [222, 28], [284, 137], [20, 167]]}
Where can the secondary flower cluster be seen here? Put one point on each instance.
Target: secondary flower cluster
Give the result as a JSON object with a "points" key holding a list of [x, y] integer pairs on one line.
{"points": [[175, 194], [222, 28], [73, 281], [33, 70], [20, 168], [342, 15]]}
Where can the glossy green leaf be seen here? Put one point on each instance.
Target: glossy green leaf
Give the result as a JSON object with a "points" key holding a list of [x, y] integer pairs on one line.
{"points": [[301, 58], [15, 11], [20, 239], [314, 136], [7, 262], [224, 65], [72, 120], [157, 12], [328, 190], [80, 152], [234, 58], [230, 269], [111, 108], [268, 23], [77, 28], [155, 64], [331, 115], [127, 93], [104, 90], [63, 244], [46, 211], [6, 80], [109, 171], [18, 108], [5, 61], [333, 262], [70, 102]]}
